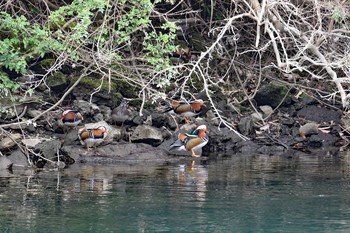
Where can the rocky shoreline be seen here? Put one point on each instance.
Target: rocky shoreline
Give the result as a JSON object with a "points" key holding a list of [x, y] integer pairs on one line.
{"points": [[283, 124]]}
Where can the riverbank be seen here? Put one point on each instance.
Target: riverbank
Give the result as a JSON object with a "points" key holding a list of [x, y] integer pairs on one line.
{"points": [[283, 123]]}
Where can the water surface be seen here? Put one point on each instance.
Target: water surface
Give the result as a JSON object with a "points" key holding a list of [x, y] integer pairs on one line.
{"points": [[237, 194]]}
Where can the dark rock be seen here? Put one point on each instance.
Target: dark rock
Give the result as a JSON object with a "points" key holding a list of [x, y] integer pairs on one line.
{"points": [[18, 158], [288, 122], [49, 149], [159, 120], [322, 140], [222, 139], [127, 90], [289, 110], [86, 109], [319, 114], [33, 112], [31, 128], [246, 147], [116, 152], [137, 119], [107, 113], [212, 118], [5, 163], [285, 130], [293, 154], [289, 140], [226, 109], [57, 82], [172, 123], [307, 99], [43, 66], [336, 129], [71, 137], [245, 125], [273, 94]]}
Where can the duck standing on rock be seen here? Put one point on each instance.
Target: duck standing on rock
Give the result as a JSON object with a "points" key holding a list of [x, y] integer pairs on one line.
{"points": [[187, 109], [193, 141], [92, 137], [121, 113], [71, 118]]}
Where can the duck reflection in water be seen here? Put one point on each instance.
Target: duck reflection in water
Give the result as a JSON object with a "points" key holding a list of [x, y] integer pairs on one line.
{"points": [[93, 180], [194, 179]]}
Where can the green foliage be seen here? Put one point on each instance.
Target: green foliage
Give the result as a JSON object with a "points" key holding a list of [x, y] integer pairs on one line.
{"points": [[136, 18], [24, 41], [337, 14], [71, 26], [82, 12], [159, 45], [6, 85]]}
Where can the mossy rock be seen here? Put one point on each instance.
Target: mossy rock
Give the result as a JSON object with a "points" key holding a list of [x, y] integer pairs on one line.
{"points": [[242, 108], [273, 94], [217, 93], [47, 63], [116, 99], [57, 82], [137, 104], [121, 86], [94, 83], [126, 89], [43, 65]]}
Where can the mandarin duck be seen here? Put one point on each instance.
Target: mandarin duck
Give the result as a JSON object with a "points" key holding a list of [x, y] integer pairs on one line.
{"points": [[187, 109], [71, 118], [193, 141], [183, 54], [92, 137]]}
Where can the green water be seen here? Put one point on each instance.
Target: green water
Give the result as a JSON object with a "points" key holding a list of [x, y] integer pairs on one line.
{"points": [[238, 194]]}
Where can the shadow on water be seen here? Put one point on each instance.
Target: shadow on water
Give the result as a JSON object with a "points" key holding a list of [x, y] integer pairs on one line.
{"points": [[232, 194]]}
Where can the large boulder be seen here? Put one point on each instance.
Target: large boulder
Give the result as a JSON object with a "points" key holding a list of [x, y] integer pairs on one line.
{"points": [[273, 94], [147, 134], [116, 152]]}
